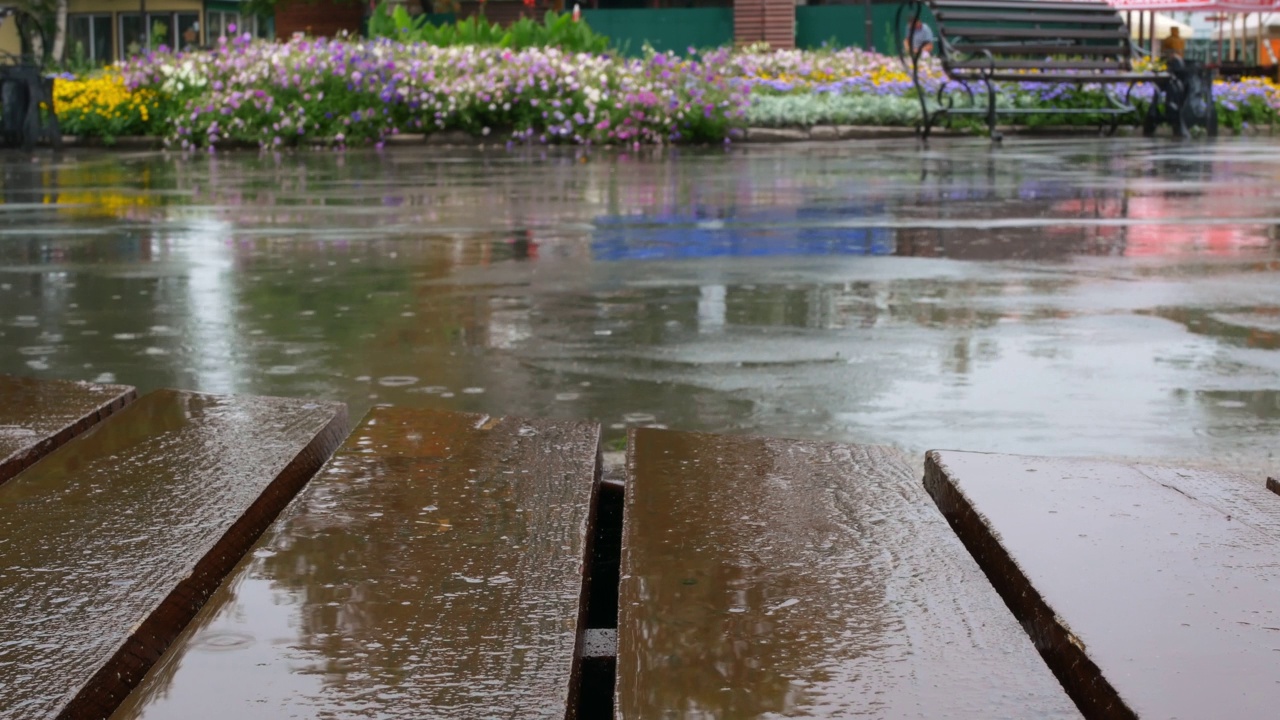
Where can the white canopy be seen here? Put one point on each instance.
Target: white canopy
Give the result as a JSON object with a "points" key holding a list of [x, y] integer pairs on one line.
{"points": [[1250, 25], [1196, 5], [1164, 24]]}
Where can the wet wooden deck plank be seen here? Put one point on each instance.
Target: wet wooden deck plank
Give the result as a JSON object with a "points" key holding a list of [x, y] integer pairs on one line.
{"points": [[433, 569], [781, 578], [111, 543], [1151, 591], [38, 416]]}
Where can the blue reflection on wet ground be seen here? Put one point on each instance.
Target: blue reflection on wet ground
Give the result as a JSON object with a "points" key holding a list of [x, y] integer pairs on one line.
{"points": [[709, 233]]}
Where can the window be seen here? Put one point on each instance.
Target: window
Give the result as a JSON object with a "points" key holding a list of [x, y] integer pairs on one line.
{"points": [[130, 35], [220, 25], [188, 27], [172, 30], [89, 39]]}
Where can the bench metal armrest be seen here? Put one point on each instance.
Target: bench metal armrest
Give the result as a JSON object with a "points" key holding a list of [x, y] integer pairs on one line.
{"points": [[900, 42]]}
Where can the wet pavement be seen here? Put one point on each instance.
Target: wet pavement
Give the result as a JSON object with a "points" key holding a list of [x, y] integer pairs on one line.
{"points": [[1058, 297]]}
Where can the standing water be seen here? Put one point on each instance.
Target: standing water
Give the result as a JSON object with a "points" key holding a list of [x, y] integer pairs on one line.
{"points": [[1107, 298]]}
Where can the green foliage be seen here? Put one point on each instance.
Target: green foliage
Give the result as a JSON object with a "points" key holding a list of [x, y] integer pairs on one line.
{"points": [[76, 62], [1251, 111], [556, 30]]}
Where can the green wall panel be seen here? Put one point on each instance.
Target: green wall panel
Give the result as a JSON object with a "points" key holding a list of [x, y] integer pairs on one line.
{"points": [[845, 26], [674, 29]]}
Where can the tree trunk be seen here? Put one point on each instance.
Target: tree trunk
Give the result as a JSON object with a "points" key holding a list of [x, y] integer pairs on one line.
{"points": [[31, 36], [60, 30]]}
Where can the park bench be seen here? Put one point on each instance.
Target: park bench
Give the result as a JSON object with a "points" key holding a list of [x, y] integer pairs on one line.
{"points": [[451, 565], [27, 113], [436, 567], [769, 578], [38, 416], [1149, 590], [990, 42], [110, 543]]}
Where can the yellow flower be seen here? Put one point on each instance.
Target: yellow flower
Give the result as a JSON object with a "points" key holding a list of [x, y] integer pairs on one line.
{"points": [[104, 96]]}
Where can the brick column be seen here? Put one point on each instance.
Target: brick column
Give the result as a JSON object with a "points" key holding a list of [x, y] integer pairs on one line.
{"points": [[324, 18], [771, 21]]}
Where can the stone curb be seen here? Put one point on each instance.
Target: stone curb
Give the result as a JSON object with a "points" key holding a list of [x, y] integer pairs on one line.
{"points": [[753, 135], [129, 142], [828, 133]]}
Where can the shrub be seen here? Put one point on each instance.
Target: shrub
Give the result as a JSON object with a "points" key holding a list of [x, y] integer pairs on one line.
{"points": [[557, 31]]}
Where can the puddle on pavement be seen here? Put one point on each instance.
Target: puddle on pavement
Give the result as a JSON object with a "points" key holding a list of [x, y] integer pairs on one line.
{"points": [[1036, 300]]}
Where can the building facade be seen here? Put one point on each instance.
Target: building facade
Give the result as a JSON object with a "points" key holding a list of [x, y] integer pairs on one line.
{"points": [[102, 32]]}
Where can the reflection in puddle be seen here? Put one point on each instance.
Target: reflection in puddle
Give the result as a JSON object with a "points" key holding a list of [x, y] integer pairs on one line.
{"points": [[223, 642]]}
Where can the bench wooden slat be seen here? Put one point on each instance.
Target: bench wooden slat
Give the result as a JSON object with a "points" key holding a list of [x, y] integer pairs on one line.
{"points": [[1016, 5], [1150, 591], [433, 569], [1043, 49], [1103, 77], [1002, 16], [1032, 33], [110, 544], [774, 577], [1048, 66], [38, 416]]}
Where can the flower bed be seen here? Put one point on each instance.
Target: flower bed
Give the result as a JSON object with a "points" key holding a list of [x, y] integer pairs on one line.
{"points": [[856, 87], [103, 106], [345, 92], [309, 91]]}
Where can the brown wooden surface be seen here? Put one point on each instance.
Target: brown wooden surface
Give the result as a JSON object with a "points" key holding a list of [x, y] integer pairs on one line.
{"points": [[111, 543], [1016, 5], [433, 569], [37, 416], [321, 18], [777, 578], [1032, 33], [1045, 65], [1056, 77], [771, 21], [1150, 591], [1045, 48], [1006, 16]]}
